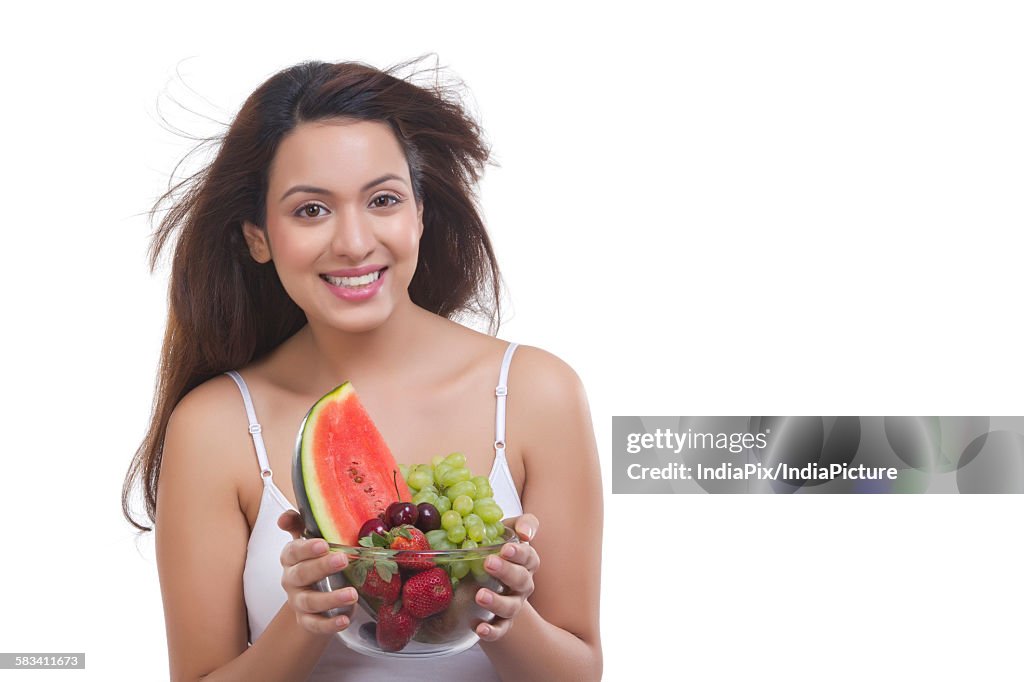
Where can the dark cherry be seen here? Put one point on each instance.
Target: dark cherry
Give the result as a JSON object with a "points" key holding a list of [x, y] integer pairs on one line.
{"points": [[374, 525], [429, 518], [401, 513]]}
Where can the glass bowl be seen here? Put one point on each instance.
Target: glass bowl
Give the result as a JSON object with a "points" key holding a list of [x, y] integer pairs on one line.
{"points": [[443, 633]]}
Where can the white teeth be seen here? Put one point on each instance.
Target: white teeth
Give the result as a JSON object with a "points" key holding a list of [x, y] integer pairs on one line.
{"points": [[360, 281]]}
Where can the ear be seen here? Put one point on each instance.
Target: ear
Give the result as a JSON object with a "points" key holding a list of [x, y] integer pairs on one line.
{"points": [[419, 216], [256, 239]]}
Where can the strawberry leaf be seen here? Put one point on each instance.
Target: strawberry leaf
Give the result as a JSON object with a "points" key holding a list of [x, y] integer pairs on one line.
{"points": [[358, 570], [386, 569]]}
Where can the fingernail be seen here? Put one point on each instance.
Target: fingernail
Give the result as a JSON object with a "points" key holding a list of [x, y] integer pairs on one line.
{"points": [[508, 551], [485, 598], [493, 563], [485, 630], [337, 560], [341, 622], [319, 546], [351, 595]]}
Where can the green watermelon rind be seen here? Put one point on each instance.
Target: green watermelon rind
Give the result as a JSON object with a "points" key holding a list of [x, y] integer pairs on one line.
{"points": [[319, 521]]}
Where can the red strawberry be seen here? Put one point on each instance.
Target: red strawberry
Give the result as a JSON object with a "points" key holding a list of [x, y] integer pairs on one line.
{"points": [[375, 584], [395, 627], [427, 593], [410, 539]]}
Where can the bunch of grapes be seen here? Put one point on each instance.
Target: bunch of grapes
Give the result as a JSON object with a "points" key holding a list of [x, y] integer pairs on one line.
{"points": [[470, 517]]}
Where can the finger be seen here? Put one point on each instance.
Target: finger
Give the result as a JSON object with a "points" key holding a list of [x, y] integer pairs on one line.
{"points": [[525, 526], [314, 570], [514, 576], [323, 624], [316, 602], [291, 521], [494, 630], [502, 607], [521, 554], [302, 550]]}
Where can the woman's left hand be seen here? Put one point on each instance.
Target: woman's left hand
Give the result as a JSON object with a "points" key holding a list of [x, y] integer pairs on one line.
{"points": [[514, 566]]}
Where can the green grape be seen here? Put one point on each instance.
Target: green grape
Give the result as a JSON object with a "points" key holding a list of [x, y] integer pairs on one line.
{"points": [[456, 459], [460, 569], [425, 496], [476, 533], [489, 513], [457, 534], [450, 477], [477, 567], [443, 504], [494, 530], [450, 519], [472, 520], [483, 487], [440, 471], [461, 488], [468, 543], [463, 504], [444, 545], [420, 478], [436, 459], [435, 536], [404, 470], [432, 488]]}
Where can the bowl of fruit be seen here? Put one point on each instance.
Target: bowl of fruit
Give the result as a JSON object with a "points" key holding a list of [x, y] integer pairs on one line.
{"points": [[416, 536]]}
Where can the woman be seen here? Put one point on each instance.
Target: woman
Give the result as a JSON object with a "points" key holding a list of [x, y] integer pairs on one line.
{"points": [[333, 238]]}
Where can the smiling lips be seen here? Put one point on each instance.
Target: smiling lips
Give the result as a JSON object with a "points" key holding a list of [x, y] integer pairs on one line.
{"points": [[355, 284]]}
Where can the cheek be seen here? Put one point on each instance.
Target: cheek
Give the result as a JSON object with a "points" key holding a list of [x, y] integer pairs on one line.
{"points": [[406, 240], [292, 248]]}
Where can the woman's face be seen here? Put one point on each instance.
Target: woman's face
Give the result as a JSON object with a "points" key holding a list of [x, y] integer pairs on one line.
{"points": [[343, 227]]}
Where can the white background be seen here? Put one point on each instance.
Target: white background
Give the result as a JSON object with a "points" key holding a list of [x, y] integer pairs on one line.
{"points": [[728, 208]]}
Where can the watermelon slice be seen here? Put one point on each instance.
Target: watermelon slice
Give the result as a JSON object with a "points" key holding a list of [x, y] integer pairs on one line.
{"points": [[343, 472]]}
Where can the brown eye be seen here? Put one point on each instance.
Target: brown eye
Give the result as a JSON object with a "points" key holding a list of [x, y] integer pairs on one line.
{"points": [[312, 211], [384, 201]]}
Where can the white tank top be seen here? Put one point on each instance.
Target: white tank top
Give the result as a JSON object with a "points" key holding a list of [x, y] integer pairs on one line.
{"points": [[261, 578]]}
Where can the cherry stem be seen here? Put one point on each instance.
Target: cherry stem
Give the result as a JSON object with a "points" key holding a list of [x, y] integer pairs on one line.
{"points": [[394, 476]]}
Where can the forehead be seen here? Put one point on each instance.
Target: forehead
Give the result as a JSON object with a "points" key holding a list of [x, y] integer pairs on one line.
{"points": [[340, 153]]}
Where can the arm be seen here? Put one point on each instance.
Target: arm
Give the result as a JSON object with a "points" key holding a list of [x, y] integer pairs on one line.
{"points": [[201, 539], [556, 633]]}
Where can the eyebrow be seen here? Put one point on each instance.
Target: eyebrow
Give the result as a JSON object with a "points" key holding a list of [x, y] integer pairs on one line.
{"points": [[310, 189]]}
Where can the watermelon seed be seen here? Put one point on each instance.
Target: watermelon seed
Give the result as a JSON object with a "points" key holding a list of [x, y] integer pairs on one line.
{"points": [[358, 479]]}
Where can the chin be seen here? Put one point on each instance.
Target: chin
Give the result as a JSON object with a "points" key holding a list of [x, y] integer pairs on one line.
{"points": [[358, 322]]}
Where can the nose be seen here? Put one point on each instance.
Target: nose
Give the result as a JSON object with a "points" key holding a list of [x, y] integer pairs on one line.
{"points": [[353, 236]]}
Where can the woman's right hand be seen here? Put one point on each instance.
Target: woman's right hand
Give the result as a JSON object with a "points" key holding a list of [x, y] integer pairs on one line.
{"points": [[305, 562]]}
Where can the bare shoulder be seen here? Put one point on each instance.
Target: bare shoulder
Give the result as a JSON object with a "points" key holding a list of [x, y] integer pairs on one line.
{"points": [[213, 399], [547, 402], [546, 379], [206, 426]]}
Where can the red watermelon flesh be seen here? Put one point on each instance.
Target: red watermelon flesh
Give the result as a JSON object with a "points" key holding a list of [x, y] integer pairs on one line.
{"points": [[348, 472]]}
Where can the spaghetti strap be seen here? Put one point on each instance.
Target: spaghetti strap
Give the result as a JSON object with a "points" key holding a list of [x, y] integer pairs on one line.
{"points": [[504, 488], [501, 391], [255, 430]]}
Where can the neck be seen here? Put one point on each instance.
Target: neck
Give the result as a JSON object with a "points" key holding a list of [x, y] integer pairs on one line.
{"points": [[338, 355]]}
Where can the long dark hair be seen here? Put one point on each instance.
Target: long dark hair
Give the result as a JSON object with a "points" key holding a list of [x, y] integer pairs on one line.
{"points": [[226, 310]]}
